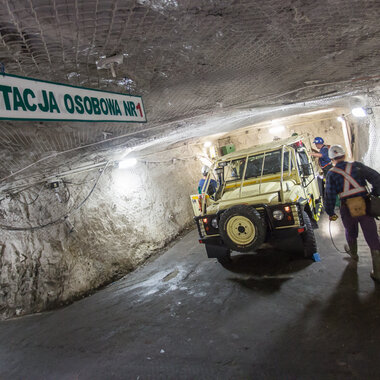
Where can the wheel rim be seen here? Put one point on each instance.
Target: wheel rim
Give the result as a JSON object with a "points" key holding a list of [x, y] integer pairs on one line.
{"points": [[241, 230]]}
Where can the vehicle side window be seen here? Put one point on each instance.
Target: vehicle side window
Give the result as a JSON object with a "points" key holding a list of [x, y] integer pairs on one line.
{"points": [[272, 164], [254, 166], [235, 169], [286, 162], [304, 163]]}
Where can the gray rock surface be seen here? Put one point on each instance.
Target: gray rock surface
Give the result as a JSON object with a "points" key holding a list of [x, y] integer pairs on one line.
{"points": [[131, 214]]}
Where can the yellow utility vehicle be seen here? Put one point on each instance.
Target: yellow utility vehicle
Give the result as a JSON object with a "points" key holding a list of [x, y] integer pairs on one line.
{"points": [[265, 192]]}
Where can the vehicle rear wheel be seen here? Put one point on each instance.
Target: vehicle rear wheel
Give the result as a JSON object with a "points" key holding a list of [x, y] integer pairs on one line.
{"points": [[308, 237], [242, 229]]}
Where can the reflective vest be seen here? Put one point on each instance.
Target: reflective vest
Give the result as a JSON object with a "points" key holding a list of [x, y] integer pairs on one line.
{"points": [[349, 181]]}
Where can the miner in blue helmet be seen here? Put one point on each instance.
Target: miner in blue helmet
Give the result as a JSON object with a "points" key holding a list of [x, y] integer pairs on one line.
{"points": [[323, 155], [324, 161], [207, 183]]}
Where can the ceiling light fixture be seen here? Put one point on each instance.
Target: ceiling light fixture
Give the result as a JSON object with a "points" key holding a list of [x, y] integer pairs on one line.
{"points": [[108, 63], [128, 163], [207, 144], [276, 129], [359, 112], [205, 161]]}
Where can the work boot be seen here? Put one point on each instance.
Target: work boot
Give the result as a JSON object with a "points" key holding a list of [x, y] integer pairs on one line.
{"points": [[352, 250], [375, 274]]}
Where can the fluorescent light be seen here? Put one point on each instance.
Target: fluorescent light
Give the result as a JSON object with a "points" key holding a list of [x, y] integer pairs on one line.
{"points": [[205, 161], [359, 112], [276, 129], [212, 152], [346, 136], [317, 112], [207, 144], [128, 163]]}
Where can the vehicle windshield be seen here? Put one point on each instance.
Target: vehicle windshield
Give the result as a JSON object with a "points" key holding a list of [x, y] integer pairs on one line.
{"points": [[272, 164]]}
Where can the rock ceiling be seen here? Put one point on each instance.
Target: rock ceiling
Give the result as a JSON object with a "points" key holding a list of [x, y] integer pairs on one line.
{"points": [[191, 61]]}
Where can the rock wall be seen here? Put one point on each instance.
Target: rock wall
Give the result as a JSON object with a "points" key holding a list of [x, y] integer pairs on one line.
{"points": [[130, 214], [361, 130], [367, 130], [330, 129]]}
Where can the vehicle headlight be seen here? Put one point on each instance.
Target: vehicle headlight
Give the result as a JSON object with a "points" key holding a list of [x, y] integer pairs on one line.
{"points": [[278, 215], [214, 222]]}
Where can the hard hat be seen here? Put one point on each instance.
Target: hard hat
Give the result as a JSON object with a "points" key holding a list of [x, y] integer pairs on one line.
{"points": [[336, 151], [318, 140], [205, 169]]}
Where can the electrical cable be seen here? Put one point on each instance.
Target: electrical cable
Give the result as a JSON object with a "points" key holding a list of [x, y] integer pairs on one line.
{"points": [[266, 97], [76, 183], [68, 194], [29, 203], [332, 240], [168, 160], [84, 146], [62, 218]]}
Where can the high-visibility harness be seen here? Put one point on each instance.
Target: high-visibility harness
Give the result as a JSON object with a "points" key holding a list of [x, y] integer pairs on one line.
{"points": [[348, 181]]}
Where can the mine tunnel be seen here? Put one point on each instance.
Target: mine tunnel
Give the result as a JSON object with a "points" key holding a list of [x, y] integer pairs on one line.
{"points": [[117, 260]]}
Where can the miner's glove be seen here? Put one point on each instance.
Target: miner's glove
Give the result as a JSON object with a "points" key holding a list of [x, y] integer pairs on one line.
{"points": [[333, 218]]}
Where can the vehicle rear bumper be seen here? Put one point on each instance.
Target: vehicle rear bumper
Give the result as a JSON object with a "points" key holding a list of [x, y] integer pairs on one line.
{"points": [[275, 234], [287, 232]]}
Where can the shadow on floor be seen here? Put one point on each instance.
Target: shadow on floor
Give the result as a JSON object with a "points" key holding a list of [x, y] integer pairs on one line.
{"points": [[267, 262], [266, 285], [267, 269], [335, 338]]}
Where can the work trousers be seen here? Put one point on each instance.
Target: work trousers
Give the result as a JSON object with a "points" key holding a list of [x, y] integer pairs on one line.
{"points": [[368, 225], [322, 181]]}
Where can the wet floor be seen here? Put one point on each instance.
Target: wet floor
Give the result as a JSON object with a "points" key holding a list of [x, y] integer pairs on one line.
{"points": [[182, 316]]}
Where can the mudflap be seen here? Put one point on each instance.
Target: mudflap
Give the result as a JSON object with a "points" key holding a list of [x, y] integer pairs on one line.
{"points": [[217, 251]]}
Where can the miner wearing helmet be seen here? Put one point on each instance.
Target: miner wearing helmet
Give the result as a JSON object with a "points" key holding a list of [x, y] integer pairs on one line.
{"points": [[207, 184], [323, 155], [348, 180]]}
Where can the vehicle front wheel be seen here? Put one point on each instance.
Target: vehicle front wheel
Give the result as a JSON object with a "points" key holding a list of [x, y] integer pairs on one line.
{"points": [[308, 238]]}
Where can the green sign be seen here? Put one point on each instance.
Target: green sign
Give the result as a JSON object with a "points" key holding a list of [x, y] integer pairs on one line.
{"points": [[33, 99]]}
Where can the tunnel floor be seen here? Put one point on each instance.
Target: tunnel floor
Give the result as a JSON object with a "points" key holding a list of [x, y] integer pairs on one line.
{"points": [[184, 316]]}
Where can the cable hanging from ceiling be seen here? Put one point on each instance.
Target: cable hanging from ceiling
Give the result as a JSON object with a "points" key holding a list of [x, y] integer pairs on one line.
{"points": [[62, 218]]}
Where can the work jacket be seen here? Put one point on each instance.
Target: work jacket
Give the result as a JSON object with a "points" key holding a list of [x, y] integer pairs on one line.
{"points": [[211, 186], [348, 180], [325, 160]]}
